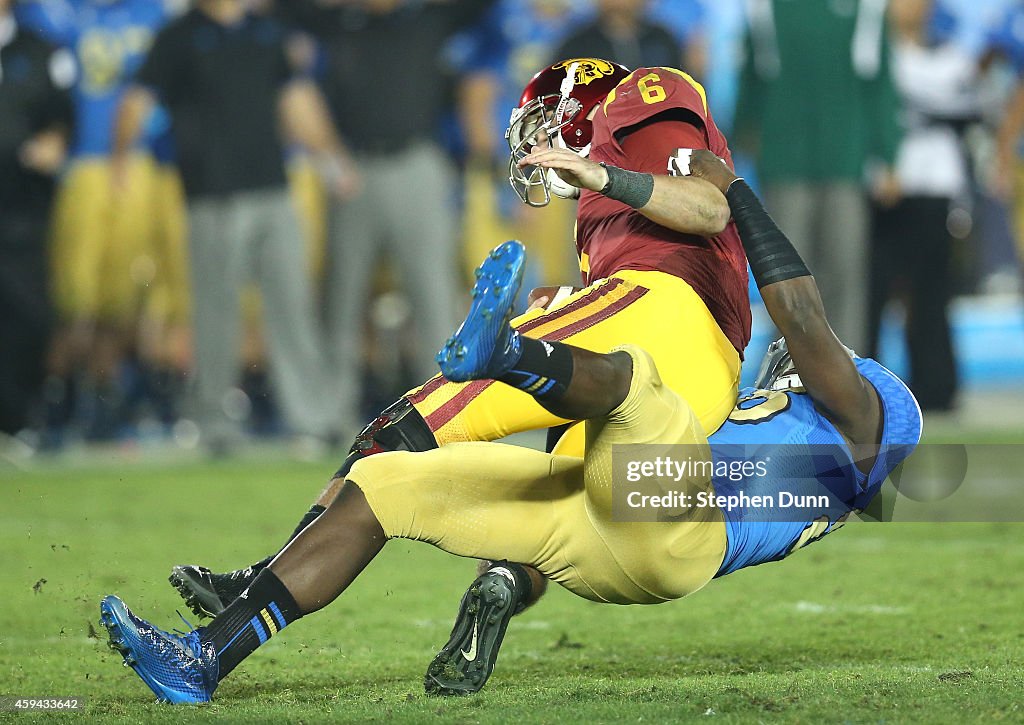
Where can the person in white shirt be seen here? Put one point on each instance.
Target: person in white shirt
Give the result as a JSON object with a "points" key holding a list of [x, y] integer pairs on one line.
{"points": [[912, 244]]}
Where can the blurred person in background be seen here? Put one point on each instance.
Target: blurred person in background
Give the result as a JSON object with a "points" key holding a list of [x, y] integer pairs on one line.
{"points": [[622, 31], [688, 21], [106, 252], [224, 76], [496, 57], [387, 89], [816, 105], [1006, 40], [165, 344], [35, 124], [911, 247]]}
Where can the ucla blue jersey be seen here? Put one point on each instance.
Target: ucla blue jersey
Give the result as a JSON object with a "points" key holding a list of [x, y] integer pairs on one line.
{"points": [[811, 476], [513, 40], [110, 40], [683, 18]]}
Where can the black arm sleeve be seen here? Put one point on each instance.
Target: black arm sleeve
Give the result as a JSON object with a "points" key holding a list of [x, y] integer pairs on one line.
{"points": [[771, 255]]}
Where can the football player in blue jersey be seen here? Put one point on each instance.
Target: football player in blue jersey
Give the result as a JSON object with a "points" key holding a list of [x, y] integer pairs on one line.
{"points": [[824, 409], [555, 513], [101, 234]]}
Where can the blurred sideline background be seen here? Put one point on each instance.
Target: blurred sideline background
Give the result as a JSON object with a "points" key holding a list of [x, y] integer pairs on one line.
{"points": [[100, 355]]}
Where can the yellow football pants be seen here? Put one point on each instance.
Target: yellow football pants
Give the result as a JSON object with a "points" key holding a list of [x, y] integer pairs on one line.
{"points": [[483, 222], [170, 298], [554, 512], [101, 238], [653, 310]]}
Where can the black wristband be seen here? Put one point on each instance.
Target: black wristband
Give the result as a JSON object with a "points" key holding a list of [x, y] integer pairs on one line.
{"points": [[629, 187], [771, 255]]}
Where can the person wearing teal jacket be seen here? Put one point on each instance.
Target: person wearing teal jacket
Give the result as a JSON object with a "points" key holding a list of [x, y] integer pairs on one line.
{"points": [[818, 109]]}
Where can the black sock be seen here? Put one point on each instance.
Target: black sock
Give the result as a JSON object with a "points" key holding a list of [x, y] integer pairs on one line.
{"points": [[246, 575], [249, 621], [543, 371], [312, 515]]}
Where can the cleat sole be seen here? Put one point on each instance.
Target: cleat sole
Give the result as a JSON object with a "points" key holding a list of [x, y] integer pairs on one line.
{"points": [[484, 614], [493, 298], [203, 604]]}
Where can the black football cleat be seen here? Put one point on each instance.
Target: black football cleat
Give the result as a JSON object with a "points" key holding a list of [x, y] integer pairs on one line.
{"points": [[207, 594], [464, 664]]}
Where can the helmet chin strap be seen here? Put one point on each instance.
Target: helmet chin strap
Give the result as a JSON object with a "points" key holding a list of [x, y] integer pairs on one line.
{"points": [[560, 188]]}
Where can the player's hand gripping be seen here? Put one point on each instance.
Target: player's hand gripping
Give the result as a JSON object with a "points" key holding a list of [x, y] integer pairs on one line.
{"points": [[704, 165], [570, 166]]}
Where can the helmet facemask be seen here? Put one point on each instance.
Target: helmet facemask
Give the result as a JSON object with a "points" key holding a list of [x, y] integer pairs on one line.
{"points": [[777, 369], [778, 372], [539, 123]]}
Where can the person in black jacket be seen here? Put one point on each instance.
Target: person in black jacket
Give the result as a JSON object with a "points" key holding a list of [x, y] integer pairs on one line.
{"points": [[35, 122], [621, 32]]}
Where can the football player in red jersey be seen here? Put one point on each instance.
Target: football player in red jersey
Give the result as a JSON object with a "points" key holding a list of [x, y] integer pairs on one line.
{"points": [[663, 268]]}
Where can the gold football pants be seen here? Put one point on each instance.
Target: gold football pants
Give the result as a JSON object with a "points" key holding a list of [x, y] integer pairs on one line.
{"points": [[652, 310], [554, 512]]}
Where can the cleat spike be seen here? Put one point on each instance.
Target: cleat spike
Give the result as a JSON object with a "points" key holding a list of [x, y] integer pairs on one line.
{"points": [[485, 345], [483, 617]]}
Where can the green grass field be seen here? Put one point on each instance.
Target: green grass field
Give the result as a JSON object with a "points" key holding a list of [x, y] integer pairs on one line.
{"points": [[878, 623]]}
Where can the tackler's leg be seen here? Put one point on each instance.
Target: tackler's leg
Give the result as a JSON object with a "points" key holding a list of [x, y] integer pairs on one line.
{"points": [[398, 428]]}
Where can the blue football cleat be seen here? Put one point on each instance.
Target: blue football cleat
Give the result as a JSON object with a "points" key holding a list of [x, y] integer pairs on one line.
{"points": [[179, 669], [485, 345]]}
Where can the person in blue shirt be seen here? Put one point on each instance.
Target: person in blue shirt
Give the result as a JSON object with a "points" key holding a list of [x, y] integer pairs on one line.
{"points": [[831, 426], [496, 57], [109, 244]]}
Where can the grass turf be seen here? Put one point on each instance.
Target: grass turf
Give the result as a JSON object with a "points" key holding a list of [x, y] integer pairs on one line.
{"points": [[878, 623]]}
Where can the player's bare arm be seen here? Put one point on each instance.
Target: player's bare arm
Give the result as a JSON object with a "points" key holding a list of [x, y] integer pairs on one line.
{"points": [[794, 303], [307, 120], [687, 205], [135, 106]]}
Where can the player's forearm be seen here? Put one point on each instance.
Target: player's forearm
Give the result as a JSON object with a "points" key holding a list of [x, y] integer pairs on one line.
{"points": [[307, 120], [793, 301], [687, 205], [789, 291], [684, 204], [131, 114], [796, 309]]}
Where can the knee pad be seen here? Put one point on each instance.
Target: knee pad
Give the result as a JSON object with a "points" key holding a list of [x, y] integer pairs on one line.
{"points": [[399, 427]]}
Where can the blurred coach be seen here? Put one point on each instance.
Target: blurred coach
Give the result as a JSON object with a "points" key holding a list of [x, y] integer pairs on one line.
{"points": [[387, 87], [35, 121], [224, 76]]}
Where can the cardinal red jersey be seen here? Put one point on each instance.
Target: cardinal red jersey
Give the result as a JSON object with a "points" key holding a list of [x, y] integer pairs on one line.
{"points": [[641, 123]]}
